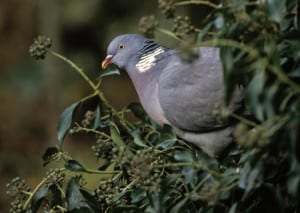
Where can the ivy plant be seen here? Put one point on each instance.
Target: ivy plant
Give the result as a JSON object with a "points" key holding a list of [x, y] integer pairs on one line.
{"points": [[143, 167]]}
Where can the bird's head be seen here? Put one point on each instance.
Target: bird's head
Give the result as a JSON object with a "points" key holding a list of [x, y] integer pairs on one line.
{"points": [[122, 50]]}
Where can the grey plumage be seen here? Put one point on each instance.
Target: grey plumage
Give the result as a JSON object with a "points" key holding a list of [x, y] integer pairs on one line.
{"points": [[175, 92]]}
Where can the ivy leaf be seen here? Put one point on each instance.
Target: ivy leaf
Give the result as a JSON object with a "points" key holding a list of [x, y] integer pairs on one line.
{"points": [[49, 154], [138, 111], [190, 175], [57, 197], [114, 71], [116, 137], [97, 120], [65, 122], [38, 197], [137, 195], [155, 203], [90, 199], [75, 199], [183, 156], [137, 139], [179, 207], [74, 166], [167, 137], [254, 89], [204, 32], [276, 9]]}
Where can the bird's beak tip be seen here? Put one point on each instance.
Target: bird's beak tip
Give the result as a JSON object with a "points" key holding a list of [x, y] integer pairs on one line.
{"points": [[106, 61]]}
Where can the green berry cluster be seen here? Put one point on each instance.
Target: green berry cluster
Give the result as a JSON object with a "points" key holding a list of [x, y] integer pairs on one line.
{"points": [[88, 119], [141, 165], [143, 170], [187, 51], [57, 176], [16, 187], [104, 149], [40, 47], [105, 192], [167, 8], [248, 138], [16, 206], [54, 209], [210, 192], [221, 113], [148, 25], [19, 190], [81, 181], [182, 26]]}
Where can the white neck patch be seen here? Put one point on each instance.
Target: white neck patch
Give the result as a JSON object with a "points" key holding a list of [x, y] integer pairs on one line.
{"points": [[148, 61]]}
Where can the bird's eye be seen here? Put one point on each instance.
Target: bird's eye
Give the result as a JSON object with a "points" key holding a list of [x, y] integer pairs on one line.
{"points": [[121, 46]]}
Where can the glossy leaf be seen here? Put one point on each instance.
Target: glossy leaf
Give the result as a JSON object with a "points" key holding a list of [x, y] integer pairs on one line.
{"points": [[276, 9], [65, 122], [108, 72], [75, 199], [138, 111], [183, 156], [97, 119], [74, 166], [117, 139], [49, 154], [38, 197], [137, 139]]}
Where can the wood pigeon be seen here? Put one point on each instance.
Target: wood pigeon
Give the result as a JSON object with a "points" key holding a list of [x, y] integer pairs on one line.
{"points": [[176, 92]]}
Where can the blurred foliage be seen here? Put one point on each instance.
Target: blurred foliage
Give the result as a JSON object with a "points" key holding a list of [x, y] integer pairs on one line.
{"points": [[145, 168]]}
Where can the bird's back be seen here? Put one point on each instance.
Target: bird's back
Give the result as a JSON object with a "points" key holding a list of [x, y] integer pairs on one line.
{"points": [[189, 92]]}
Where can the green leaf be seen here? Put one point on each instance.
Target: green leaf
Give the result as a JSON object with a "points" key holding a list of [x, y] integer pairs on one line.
{"points": [[90, 199], [253, 93], [293, 184], [49, 154], [137, 139], [204, 32], [74, 166], [276, 9], [219, 22], [233, 208], [38, 197], [167, 137], [183, 156], [75, 199], [57, 197], [114, 71], [116, 137], [65, 122], [139, 112], [97, 120], [179, 207], [251, 177], [155, 202], [190, 175], [138, 195]]}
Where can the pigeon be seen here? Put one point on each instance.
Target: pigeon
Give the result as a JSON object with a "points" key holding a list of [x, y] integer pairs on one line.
{"points": [[176, 92]]}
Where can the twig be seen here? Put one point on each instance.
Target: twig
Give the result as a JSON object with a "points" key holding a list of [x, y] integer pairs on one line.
{"points": [[207, 3]]}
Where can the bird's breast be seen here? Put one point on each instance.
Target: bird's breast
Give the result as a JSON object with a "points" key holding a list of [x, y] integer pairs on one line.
{"points": [[151, 104]]}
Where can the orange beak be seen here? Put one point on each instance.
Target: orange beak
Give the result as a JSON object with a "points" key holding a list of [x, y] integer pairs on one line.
{"points": [[106, 61]]}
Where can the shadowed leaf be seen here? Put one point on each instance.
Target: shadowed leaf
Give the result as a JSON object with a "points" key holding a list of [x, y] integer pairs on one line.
{"points": [[74, 166], [49, 154]]}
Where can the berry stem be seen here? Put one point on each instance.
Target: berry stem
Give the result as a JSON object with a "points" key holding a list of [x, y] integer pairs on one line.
{"points": [[207, 3]]}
